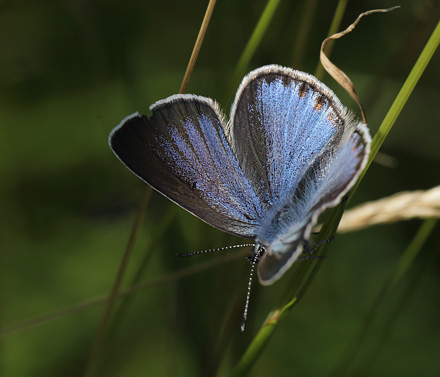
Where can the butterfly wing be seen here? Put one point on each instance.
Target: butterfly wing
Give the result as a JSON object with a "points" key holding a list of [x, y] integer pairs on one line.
{"points": [[325, 183], [182, 151], [281, 121], [300, 150]]}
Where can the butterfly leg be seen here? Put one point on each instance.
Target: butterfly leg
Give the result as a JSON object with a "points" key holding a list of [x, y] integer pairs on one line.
{"points": [[310, 249]]}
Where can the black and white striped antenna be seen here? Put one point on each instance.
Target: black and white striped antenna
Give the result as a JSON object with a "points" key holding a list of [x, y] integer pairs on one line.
{"points": [[255, 258], [213, 250]]}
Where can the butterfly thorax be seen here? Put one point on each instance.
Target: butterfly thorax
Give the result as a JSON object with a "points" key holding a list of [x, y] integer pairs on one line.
{"points": [[280, 219], [282, 231]]}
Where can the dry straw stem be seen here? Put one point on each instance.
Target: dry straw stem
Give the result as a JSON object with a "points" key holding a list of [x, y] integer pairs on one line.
{"points": [[337, 73], [398, 207], [92, 361]]}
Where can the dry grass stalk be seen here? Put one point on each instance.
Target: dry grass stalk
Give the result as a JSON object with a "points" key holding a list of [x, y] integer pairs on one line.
{"points": [[398, 207]]}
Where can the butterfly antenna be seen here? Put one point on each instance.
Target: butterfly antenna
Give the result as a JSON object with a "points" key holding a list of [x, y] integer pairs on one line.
{"points": [[213, 250], [248, 295]]}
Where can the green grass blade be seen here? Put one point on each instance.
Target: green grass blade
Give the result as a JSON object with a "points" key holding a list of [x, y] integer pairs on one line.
{"points": [[389, 321], [306, 20], [257, 346], [254, 40], [408, 257], [402, 267], [404, 94], [329, 228]]}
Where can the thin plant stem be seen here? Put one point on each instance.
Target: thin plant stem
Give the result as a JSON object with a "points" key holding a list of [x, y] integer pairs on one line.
{"points": [[261, 339], [389, 321], [102, 299], [401, 269], [255, 40], [402, 97], [96, 347], [94, 352], [197, 46], [149, 248], [304, 33], [334, 27]]}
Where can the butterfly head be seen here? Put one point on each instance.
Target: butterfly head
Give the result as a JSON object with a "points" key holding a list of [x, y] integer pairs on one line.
{"points": [[257, 253]]}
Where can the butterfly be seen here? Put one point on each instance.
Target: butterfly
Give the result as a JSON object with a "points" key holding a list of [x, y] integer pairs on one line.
{"points": [[289, 151]]}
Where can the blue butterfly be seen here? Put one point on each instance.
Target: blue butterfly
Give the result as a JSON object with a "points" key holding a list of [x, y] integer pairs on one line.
{"points": [[289, 151]]}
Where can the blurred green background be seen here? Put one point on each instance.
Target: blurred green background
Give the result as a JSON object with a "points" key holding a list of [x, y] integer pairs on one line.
{"points": [[71, 70]]}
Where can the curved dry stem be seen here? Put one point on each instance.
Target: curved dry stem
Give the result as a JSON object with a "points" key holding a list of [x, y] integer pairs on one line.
{"points": [[95, 350], [337, 73]]}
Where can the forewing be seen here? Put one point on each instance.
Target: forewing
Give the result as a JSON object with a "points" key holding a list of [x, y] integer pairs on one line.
{"points": [[182, 151], [281, 121]]}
